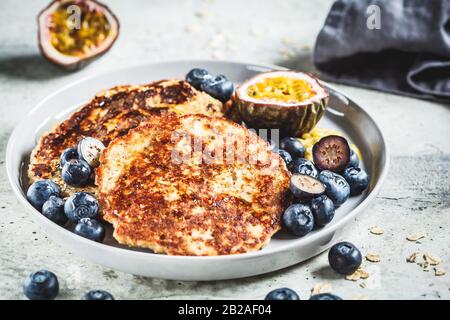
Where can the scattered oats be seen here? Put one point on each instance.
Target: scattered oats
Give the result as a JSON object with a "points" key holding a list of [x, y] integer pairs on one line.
{"points": [[412, 258], [218, 54], [376, 230], [429, 259], [363, 273], [362, 285], [321, 288], [358, 274], [373, 257], [415, 237], [439, 272]]}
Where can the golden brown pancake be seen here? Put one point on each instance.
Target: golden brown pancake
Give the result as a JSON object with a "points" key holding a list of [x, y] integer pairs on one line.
{"points": [[161, 191], [112, 114]]}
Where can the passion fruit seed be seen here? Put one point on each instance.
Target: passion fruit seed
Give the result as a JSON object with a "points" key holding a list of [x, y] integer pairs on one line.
{"points": [[283, 89], [332, 153]]}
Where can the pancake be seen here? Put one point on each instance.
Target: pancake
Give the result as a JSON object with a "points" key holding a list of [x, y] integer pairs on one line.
{"points": [[111, 114], [163, 192]]}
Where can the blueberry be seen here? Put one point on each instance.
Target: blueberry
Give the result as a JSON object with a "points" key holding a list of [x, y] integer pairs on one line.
{"points": [[90, 229], [358, 180], [282, 294], [40, 191], [67, 155], [298, 219], [344, 258], [337, 188], [286, 156], [41, 285], [218, 87], [53, 209], [81, 205], [354, 160], [303, 166], [197, 76], [293, 146], [98, 295], [325, 296], [76, 172], [323, 210]]}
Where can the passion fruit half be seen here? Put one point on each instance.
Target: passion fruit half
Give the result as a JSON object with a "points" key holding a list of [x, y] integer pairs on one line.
{"points": [[73, 33], [290, 101]]}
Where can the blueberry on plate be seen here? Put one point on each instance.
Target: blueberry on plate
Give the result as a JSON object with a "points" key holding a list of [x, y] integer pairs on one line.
{"points": [[298, 219], [53, 209], [98, 295], [89, 150], [354, 160], [323, 210], [286, 156], [303, 166], [331, 153], [67, 155], [358, 180], [282, 294], [40, 191], [76, 172], [293, 146], [325, 296], [304, 187], [197, 76], [90, 229], [337, 188], [344, 258], [41, 285], [218, 87], [81, 205]]}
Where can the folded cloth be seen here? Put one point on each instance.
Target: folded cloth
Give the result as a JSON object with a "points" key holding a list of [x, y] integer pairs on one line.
{"points": [[398, 46]]}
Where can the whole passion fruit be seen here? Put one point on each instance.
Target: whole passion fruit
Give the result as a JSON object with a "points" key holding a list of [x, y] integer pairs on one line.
{"points": [[73, 33], [290, 101]]}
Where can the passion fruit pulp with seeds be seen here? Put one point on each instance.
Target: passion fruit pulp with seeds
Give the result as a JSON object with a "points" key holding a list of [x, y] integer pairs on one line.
{"points": [[331, 153], [74, 32], [290, 101]]}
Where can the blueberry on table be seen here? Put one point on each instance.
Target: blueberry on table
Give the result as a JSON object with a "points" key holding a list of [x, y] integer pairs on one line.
{"points": [[303, 166], [354, 160], [81, 205], [89, 150], [40, 191], [76, 172], [304, 187], [298, 219], [325, 296], [323, 210], [53, 209], [218, 87], [286, 156], [357, 179], [67, 155], [41, 285], [282, 294], [293, 146], [331, 153], [90, 229], [197, 76], [337, 188], [98, 295], [344, 258]]}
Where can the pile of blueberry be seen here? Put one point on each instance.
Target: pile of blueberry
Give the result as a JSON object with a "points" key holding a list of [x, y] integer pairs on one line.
{"points": [[81, 208], [218, 87], [44, 285], [344, 258], [319, 188]]}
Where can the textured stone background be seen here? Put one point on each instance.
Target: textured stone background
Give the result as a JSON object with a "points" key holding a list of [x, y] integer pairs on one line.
{"points": [[415, 198]]}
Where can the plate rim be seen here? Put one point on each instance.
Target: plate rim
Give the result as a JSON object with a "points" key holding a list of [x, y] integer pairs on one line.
{"points": [[16, 186]]}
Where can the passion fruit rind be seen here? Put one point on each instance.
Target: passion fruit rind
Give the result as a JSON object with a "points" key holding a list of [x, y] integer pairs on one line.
{"points": [[292, 120], [76, 61]]}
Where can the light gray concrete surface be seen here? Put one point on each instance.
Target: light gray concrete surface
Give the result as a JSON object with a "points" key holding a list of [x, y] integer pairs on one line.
{"points": [[415, 198]]}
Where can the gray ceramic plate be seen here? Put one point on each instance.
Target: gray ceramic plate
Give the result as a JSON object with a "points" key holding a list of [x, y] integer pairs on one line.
{"points": [[282, 251]]}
